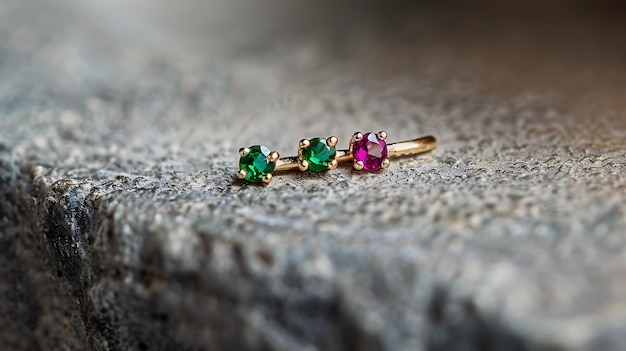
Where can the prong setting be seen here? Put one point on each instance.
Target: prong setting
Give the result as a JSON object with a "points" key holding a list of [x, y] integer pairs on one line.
{"points": [[273, 156], [385, 164], [382, 135], [316, 154], [370, 151], [358, 165], [303, 166], [333, 164], [355, 137], [256, 163], [332, 141], [267, 178]]}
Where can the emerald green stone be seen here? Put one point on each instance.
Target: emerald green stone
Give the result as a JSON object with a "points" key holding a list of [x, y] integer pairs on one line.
{"points": [[318, 154], [256, 163]]}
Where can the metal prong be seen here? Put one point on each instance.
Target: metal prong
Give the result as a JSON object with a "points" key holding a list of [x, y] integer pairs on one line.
{"points": [[358, 165], [273, 156], [241, 174], [244, 151], [303, 166], [304, 143], [332, 141], [267, 178], [385, 163], [333, 164], [355, 137], [382, 135]]}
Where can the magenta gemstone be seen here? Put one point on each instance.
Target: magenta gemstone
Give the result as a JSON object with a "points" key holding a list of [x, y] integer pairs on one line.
{"points": [[371, 151]]}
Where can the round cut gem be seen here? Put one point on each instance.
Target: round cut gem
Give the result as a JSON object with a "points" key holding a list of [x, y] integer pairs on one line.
{"points": [[256, 163], [371, 151], [318, 154]]}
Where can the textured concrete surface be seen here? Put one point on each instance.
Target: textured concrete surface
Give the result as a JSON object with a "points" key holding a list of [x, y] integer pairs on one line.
{"points": [[124, 229]]}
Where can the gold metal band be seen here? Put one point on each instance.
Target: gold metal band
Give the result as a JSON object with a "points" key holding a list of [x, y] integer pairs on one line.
{"points": [[403, 148]]}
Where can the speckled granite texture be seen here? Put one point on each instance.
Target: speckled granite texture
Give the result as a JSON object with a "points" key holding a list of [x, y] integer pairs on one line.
{"points": [[123, 227]]}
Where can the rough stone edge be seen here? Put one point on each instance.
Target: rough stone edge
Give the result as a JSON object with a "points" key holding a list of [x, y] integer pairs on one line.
{"points": [[71, 215], [37, 311]]}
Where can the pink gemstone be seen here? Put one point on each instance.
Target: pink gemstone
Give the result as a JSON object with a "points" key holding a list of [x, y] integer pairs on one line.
{"points": [[371, 151]]}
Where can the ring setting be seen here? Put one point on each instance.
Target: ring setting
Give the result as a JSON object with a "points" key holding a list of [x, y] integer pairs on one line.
{"points": [[256, 164], [317, 154], [369, 151]]}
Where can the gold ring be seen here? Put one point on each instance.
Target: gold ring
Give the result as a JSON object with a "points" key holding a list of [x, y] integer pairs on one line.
{"points": [[368, 151]]}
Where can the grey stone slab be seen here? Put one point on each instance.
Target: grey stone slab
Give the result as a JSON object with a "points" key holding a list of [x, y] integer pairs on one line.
{"points": [[125, 229]]}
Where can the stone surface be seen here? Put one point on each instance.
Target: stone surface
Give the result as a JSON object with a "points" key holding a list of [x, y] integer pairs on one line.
{"points": [[123, 227]]}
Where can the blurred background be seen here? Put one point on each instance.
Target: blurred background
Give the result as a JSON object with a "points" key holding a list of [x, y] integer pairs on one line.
{"points": [[164, 76], [217, 55], [506, 46]]}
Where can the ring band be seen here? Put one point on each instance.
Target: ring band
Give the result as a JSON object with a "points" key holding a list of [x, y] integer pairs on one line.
{"points": [[403, 148]]}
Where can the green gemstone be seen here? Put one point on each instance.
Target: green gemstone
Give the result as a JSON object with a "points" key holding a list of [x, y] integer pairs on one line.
{"points": [[318, 154], [256, 163]]}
